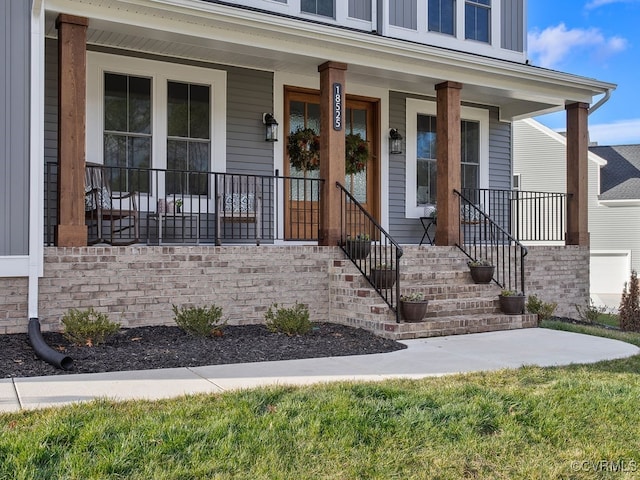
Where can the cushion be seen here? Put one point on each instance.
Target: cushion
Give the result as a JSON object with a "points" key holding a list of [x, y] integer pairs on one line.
{"points": [[240, 203], [470, 214], [103, 199]]}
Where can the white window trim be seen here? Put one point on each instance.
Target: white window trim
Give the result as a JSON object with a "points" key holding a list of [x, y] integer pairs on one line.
{"points": [[424, 107], [160, 73]]}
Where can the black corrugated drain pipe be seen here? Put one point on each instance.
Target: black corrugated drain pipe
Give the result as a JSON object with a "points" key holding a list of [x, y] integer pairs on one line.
{"points": [[44, 351]]}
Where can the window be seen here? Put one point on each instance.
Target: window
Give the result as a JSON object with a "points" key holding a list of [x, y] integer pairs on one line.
{"points": [[127, 131], [477, 20], [149, 114], [319, 7], [421, 163], [426, 158], [442, 16], [188, 138]]}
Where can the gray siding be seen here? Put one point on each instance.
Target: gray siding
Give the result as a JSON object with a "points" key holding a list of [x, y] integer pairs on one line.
{"points": [[403, 13], [14, 127], [499, 152], [249, 95], [409, 230], [360, 9], [512, 25]]}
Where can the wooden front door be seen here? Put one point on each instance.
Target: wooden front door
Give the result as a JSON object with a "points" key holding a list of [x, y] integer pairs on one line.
{"points": [[302, 110]]}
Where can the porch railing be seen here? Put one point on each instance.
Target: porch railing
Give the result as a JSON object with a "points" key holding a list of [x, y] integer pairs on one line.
{"points": [[371, 249], [186, 207], [481, 238], [529, 216]]}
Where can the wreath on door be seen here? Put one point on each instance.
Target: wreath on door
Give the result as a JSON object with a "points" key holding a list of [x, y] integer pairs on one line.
{"points": [[304, 149], [356, 153]]}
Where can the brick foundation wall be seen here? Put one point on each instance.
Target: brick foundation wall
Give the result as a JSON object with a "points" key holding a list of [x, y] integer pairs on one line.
{"points": [[14, 304], [137, 285], [559, 274]]}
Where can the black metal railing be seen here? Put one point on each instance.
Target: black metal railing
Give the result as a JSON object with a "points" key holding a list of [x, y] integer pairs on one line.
{"points": [[527, 215], [371, 249], [481, 238], [185, 207]]}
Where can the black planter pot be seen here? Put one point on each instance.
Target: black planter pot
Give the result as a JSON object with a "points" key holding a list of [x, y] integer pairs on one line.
{"points": [[482, 273], [358, 249], [413, 311], [383, 278], [512, 304]]}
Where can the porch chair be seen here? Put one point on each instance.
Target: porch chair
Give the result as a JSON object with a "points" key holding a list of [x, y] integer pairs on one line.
{"points": [[239, 201], [100, 208]]}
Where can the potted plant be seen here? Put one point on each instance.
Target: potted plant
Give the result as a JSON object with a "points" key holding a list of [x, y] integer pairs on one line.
{"points": [[358, 247], [512, 302], [413, 307], [178, 205], [481, 270], [383, 276]]}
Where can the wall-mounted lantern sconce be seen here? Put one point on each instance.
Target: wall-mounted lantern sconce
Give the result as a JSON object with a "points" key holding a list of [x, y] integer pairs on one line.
{"points": [[395, 141], [270, 127]]}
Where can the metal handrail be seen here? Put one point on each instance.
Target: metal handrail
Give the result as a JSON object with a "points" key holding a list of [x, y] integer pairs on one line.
{"points": [[481, 238], [370, 248]]}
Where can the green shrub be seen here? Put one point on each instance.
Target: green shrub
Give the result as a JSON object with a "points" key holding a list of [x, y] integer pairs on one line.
{"points": [[590, 313], [629, 312], [88, 327], [544, 310], [292, 321], [201, 321]]}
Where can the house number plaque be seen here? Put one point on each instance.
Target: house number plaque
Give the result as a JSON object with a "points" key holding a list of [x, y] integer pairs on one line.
{"points": [[337, 106]]}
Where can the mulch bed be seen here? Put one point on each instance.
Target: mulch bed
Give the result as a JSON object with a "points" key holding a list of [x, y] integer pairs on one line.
{"points": [[168, 347]]}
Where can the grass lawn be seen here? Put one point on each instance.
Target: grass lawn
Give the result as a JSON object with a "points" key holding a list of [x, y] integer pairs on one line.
{"points": [[576, 422]]}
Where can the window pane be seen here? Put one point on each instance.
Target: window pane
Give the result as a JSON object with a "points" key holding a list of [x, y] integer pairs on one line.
{"points": [[198, 162], [296, 116], [115, 102], [176, 160], [426, 136], [426, 182], [178, 109], [477, 21], [470, 176], [442, 16], [470, 133], [139, 105], [319, 7], [313, 117], [199, 121]]}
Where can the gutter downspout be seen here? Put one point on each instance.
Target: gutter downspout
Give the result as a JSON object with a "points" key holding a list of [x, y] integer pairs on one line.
{"points": [[36, 189], [599, 103]]}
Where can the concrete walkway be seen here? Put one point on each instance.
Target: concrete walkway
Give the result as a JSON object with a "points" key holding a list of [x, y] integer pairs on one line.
{"points": [[423, 358]]}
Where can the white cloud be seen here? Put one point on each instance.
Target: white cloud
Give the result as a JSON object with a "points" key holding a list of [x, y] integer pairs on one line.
{"points": [[551, 46], [623, 132], [599, 3]]}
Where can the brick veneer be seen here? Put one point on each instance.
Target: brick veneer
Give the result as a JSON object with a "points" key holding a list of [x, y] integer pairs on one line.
{"points": [[137, 285], [559, 274]]}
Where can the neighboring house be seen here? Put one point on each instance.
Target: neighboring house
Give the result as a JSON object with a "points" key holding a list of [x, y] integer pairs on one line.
{"points": [[174, 99], [614, 200]]}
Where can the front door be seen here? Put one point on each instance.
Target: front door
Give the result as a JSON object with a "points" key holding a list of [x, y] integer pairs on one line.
{"points": [[361, 117]]}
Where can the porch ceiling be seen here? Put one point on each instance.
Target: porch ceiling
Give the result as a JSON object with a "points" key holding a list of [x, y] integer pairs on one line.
{"points": [[215, 33]]}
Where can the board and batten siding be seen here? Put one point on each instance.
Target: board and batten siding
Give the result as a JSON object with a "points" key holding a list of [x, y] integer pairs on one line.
{"points": [[14, 127], [409, 230], [403, 13], [360, 9], [512, 25]]}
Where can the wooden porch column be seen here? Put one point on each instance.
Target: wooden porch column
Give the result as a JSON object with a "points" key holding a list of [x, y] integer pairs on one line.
{"points": [[448, 162], [577, 166], [72, 39], [332, 102]]}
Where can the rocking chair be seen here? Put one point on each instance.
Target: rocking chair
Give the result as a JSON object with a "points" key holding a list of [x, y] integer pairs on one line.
{"points": [[100, 208]]}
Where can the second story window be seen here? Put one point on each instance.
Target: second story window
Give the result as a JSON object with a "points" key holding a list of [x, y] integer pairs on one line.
{"points": [[441, 16], [478, 20], [319, 7]]}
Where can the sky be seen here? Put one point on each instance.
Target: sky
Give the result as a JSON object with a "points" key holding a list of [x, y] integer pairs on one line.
{"points": [[598, 39]]}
